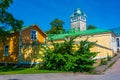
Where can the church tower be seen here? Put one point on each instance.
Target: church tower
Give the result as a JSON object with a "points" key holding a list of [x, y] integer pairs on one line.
{"points": [[78, 20]]}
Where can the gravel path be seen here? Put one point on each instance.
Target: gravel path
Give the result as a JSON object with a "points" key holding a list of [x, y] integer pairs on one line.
{"points": [[112, 73]]}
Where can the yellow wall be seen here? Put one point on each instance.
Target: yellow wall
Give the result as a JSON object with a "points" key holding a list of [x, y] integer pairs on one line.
{"points": [[13, 49], [26, 35], [103, 52], [56, 41], [31, 53], [102, 39]]}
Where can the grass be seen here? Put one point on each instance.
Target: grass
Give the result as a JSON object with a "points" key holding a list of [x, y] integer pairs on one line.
{"points": [[11, 70], [112, 63]]}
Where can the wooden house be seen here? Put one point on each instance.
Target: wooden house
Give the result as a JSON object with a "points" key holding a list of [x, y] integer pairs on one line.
{"points": [[19, 49]]}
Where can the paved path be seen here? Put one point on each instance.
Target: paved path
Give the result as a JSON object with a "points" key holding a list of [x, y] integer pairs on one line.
{"points": [[112, 73], [104, 67]]}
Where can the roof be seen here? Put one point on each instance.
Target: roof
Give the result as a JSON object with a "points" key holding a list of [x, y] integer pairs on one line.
{"points": [[78, 12], [80, 33], [116, 31], [27, 27], [23, 28]]}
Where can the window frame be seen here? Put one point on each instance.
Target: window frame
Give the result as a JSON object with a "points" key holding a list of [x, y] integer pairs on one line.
{"points": [[118, 42], [6, 53], [31, 35]]}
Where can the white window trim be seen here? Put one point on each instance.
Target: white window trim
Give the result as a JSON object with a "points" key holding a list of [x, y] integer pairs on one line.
{"points": [[5, 50], [31, 35]]}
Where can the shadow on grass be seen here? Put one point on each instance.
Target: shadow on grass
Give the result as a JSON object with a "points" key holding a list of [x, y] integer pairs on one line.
{"points": [[14, 79], [7, 69]]}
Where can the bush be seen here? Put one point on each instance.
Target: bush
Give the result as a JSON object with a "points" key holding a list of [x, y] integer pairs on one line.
{"points": [[115, 55], [103, 61], [109, 58], [84, 57], [63, 58]]}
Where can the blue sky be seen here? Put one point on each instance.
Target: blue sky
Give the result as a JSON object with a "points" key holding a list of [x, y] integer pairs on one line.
{"points": [[101, 13]]}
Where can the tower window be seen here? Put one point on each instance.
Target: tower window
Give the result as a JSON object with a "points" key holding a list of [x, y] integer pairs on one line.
{"points": [[34, 35], [83, 18]]}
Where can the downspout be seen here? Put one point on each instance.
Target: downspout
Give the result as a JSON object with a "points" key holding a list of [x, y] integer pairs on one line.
{"points": [[20, 45], [45, 40]]}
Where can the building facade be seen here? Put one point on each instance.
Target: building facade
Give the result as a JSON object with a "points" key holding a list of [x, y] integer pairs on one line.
{"points": [[117, 33], [106, 43], [20, 49]]}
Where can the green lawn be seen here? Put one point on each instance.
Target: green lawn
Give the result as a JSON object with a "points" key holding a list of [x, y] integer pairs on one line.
{"points": [[10, 70]]}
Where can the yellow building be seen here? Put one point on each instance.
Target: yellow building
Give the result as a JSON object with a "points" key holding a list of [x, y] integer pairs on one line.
{"points": [[117, 32], [106, 43], [18, 50]]}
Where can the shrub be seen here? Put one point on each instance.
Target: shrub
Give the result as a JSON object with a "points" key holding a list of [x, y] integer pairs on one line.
{"points": [[63, 58], [103, 61], [109, 58], [60, 57], [84, 58], [115, 54]]}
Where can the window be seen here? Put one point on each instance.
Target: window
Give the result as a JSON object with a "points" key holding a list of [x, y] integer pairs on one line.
{"points": [[6, 50], [33, 35], [118, 43], [83, 18], [113, 39]]}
